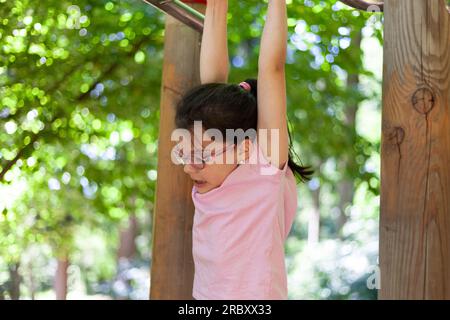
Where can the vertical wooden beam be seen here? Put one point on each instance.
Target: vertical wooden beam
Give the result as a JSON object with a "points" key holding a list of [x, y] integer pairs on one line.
{"points": [[172, 268], [415, 152]]}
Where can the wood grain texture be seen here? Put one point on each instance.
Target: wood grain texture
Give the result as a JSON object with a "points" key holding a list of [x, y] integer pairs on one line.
{"points": [[415, 151], [172, 264]]}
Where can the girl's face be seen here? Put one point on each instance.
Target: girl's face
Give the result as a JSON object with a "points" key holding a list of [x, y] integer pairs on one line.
{"points": [[212, 175]]}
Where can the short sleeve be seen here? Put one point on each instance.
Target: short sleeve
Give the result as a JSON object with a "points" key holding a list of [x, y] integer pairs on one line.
{"points": [[265, 167]]}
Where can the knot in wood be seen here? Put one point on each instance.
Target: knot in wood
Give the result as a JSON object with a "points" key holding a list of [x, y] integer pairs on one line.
{"points": [[423, 100], [396, 135]]}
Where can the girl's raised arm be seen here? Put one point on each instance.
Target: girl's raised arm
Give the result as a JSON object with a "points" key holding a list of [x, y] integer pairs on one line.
{"points": [[272, 82], [214, 51]]}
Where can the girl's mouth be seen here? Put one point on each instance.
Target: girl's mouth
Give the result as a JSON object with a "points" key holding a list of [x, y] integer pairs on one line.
{"points": [[199, 183]]}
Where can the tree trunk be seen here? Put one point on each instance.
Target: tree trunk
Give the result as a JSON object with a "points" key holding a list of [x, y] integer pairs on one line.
{"points": [[32, 281], [314, 218], [14, 282], [347, 164], [61, 279], [127, 245]]}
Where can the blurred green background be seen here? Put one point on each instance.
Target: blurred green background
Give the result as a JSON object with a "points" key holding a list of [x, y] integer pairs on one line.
{"points": [[79, 115]]}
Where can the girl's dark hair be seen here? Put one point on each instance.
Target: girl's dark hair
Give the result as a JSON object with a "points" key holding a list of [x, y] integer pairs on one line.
{"points": [[228, 106]]}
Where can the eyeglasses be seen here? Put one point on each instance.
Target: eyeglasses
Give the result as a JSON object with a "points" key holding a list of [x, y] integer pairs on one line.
{"points": [[196, 158]]}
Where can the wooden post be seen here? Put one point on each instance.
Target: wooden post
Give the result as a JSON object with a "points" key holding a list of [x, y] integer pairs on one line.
{"points": [[415, 151], [172, 268]]}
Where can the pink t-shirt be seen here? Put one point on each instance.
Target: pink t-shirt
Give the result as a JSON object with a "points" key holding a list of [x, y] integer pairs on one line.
{"points": [[239, 232]]}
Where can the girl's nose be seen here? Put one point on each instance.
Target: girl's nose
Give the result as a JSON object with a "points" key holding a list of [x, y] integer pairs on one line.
{"points": [[189, 169]]}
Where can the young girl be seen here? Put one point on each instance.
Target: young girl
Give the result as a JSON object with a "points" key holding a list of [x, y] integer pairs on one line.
{"points": [[242, 216]]}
